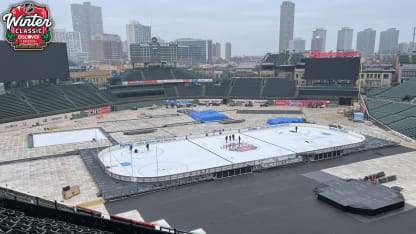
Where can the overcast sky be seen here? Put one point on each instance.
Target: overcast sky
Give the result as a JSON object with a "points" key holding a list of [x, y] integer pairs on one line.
{"points": [[252, 26]]}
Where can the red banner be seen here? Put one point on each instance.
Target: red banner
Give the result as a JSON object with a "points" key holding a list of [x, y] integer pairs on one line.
{"points": [[304, 103], [319, 54], [362, 108], [98, 111]]}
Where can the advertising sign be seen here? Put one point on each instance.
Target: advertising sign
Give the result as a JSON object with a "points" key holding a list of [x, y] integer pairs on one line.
{"points": [[27, 26], [98, 111], [304, 103]]}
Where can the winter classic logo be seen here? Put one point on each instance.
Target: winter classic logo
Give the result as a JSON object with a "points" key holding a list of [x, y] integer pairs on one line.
{"points": [[27, 26]]}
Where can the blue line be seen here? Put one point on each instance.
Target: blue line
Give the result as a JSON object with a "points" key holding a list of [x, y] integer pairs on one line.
{"points": [[209, 151], [268, 143]]}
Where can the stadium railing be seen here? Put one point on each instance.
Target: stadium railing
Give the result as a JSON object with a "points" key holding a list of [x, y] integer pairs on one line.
{"points": [[41, 208]]}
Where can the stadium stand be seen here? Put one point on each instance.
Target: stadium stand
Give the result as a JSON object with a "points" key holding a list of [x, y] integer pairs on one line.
{"points": [[190, 90], [398, 92], [399, 116], [83, 95], [47, 98], [13, 106], [279, 88], [170, 91], [137, 91], [328, 92], [218, 90], [24, 213], [156, 74], [246, 87], [12, 221], [132, 75], [185, 74]]}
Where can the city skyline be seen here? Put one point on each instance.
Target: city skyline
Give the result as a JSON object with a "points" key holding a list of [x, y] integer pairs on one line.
{"points": [[250, 22]]}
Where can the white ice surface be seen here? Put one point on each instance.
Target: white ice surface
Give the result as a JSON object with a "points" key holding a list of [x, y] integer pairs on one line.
{"points": [[170, 158], [216, 144], [66, 137], [309, 137], [206, 152]]}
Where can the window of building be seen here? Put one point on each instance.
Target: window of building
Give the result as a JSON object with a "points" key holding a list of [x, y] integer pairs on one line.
{"points": [[386, 76]]}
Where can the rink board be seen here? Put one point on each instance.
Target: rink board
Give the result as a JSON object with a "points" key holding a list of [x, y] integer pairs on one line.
{"points": [[179, 155]]}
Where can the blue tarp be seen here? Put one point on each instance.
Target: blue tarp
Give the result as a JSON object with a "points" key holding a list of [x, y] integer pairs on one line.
{"points": [[208, 115], [281, 120], [174, 102]]}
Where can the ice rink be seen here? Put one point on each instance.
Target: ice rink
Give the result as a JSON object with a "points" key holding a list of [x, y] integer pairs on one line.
{"points": [[197, 153], [67, 137]]}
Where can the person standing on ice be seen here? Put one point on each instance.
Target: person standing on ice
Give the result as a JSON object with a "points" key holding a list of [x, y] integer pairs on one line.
{"points": [[296, 129], [226, 139], [233, 137], [239, 139], [147, 147]]}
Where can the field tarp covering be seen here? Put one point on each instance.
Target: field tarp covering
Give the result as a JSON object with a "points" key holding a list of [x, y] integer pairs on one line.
{"points": [[281, 120], [208, 115]]}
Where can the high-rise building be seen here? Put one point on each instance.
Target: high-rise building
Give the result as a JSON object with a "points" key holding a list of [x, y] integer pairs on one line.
{"points": [[88, 21], [318, 39], [389, 41], [200, 50], [154, 52], [218, 50], [214, 50], [228, 51], [366, 41], [344, 40], [297, 45], [287, 23], [106, 48], [72, 40], [137, 33], [404, 48]]}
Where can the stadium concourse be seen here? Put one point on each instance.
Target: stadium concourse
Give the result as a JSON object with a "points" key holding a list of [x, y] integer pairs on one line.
{"points": [[44, 170]]}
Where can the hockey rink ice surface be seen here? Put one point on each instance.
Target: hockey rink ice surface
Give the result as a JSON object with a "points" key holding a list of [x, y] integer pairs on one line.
{"points": [[181, 156], [67, 137]]}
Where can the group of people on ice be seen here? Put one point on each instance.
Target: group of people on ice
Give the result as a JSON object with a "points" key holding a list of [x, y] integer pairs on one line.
{"points": [[230, 138]]}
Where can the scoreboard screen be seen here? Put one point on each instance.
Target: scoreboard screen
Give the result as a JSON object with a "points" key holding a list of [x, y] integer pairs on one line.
{"points": [[342, 68]]}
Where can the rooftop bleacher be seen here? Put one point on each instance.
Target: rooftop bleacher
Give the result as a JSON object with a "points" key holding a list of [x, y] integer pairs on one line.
{"points": [[140, 74], [282, 59]]}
